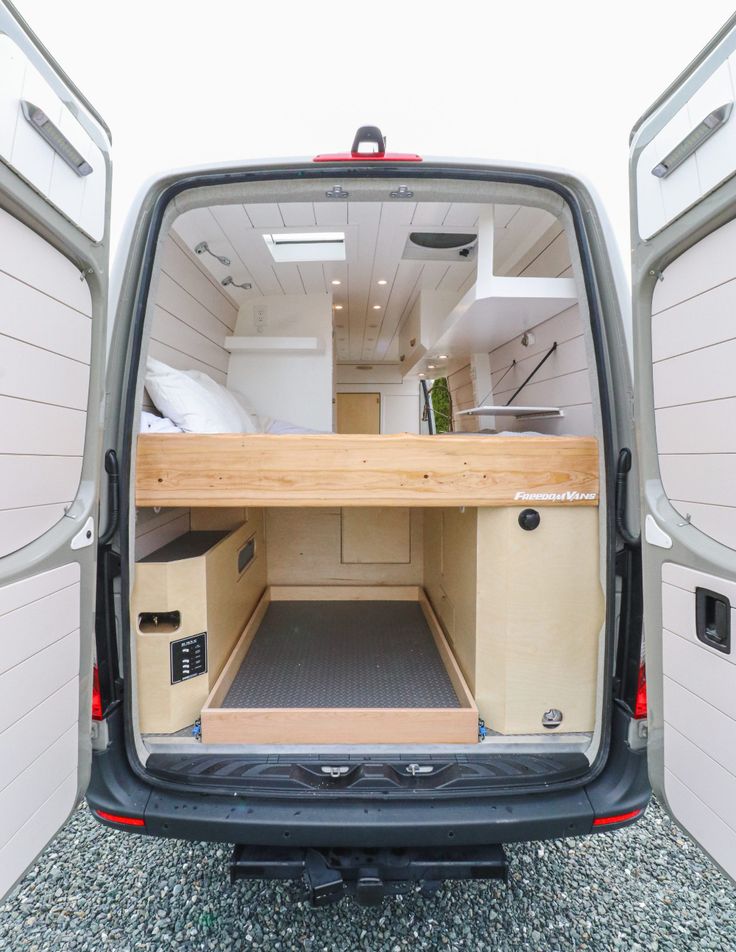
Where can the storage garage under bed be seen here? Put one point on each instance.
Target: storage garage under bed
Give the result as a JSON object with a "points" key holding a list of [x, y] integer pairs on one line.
{"points": [[284, 615], [338, 666]]}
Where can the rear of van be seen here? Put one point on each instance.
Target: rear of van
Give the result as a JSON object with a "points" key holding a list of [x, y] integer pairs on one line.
{"points": [[377, 588]]}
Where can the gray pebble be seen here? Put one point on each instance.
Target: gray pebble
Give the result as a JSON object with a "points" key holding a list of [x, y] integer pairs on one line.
{"points": [[646, 888]]}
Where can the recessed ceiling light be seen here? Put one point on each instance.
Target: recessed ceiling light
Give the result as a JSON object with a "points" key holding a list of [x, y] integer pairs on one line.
{"points": [[336, 281], [421, 375], [382, 281], [442, 357], [337, 307], [376, 307], [430, 366]]}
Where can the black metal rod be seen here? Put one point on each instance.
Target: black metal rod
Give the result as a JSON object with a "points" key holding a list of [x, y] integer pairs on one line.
{"points": [[549, 353], [428, 405]]}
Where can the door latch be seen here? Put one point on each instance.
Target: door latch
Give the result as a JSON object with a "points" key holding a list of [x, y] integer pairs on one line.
{"points": [[713, 619]]}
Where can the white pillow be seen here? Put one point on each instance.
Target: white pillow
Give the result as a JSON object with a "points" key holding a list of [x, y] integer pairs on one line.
{"points": [[251, 414], [234, 402], [189, 403]]}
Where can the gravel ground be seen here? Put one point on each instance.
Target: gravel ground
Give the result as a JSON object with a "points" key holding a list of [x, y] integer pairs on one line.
{"points": [[643, 888]]}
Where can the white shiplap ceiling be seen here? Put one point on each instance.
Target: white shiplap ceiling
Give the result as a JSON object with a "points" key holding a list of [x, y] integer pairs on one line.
{"points": [[366, 327]]}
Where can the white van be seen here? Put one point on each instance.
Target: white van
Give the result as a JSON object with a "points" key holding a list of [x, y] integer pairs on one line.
{"points": [[338, 544]]}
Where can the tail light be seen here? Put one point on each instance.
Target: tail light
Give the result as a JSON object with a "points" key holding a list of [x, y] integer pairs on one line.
{"points": [[617, 818], [640, 705], [120, 820], [96, 695]]}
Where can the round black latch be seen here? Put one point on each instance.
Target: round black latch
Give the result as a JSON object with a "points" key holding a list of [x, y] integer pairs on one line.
{"points": [[529, 519]]}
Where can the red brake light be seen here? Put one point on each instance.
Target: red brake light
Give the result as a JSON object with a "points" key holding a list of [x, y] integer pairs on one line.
{"points": [[616, 818], [96, 695], [640, 705], [122, 820], [368, 157], [369, 134]]}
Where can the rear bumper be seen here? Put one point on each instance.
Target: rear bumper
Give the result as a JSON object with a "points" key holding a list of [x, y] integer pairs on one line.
{"points": [[622, 787]]}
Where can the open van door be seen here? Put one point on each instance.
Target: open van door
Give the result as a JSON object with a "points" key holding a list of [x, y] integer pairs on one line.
{"points": [[54, 231], [683, 188]]}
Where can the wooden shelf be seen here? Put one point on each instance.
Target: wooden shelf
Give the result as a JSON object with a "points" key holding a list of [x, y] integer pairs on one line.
{"points": [[186, 469], [276, 345], [496, 309]]}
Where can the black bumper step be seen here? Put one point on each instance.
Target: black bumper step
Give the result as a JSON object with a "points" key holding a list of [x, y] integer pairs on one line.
{"points": [[358, 776], [367, 874]]}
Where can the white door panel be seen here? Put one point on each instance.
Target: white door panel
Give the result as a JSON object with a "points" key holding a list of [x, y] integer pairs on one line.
{"points": [[80, 197], [53, 302], [684, 283], [660, 200]]}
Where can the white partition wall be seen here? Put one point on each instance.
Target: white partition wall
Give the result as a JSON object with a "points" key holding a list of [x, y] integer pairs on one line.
{"points": [[281, 358]]}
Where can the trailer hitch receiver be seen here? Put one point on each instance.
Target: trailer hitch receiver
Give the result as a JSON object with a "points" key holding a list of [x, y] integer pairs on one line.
{"points": [[367, 874]]}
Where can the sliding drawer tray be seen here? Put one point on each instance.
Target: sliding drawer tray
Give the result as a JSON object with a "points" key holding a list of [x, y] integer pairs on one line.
{"points": [[186, 469], [341, 665]]}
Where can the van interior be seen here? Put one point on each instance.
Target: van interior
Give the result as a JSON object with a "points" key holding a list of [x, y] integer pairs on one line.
{"points": [[367, 499]]}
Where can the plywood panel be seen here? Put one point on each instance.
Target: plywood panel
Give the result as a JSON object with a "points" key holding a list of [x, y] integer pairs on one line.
{"points": [[211, 596], [376, 535], [397, 470], [304, 547], [541, 652]]}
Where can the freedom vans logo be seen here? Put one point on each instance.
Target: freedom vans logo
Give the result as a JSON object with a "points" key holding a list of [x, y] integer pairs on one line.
{"points": [[569, 496]]}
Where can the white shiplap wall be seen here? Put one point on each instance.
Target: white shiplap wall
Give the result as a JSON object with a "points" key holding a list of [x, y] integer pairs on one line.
{"points": [[39, 710], [694, 353], [45, 340], [191, 319], [460, 384], [563, 381]]}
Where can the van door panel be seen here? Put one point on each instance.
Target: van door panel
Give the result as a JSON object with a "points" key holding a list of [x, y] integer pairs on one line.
{"points": [[684, 283], [54, 227]]}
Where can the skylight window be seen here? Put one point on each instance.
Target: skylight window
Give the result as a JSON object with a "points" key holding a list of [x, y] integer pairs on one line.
{"points": [[306, 246]]}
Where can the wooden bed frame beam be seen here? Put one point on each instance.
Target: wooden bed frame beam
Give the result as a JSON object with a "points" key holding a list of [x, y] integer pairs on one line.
{"points": [[387, 470]]}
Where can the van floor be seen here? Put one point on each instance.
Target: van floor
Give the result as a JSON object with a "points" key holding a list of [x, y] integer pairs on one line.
{"points": [[342, 654]]}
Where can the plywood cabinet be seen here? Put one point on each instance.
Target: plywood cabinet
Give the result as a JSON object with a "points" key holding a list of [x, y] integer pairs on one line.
{"points": [[190, 602], [523, 611]]}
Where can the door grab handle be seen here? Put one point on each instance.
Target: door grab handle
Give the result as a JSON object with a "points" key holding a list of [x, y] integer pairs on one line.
{"points": [[713, 619], [53, 136], [693, 140]]}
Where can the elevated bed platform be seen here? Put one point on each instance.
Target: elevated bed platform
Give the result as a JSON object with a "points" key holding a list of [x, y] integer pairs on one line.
{"points": [[186, 469]]}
